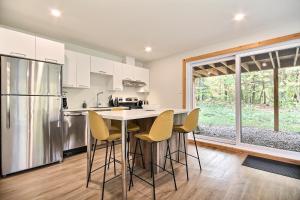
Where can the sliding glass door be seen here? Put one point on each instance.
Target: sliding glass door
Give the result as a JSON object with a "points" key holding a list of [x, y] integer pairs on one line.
{"points": [[214, 94], [270, 89], [256, 103]]}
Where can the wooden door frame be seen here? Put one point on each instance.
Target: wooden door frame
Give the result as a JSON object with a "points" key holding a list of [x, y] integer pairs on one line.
{"points": [[229, 51]]}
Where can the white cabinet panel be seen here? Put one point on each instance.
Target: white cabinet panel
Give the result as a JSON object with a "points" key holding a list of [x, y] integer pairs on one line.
{"points": [[50, 51], [76, 71], [142, 74], [102, 66], [69, 69], [83, 70], [117, 83], [17, 44], [128, 72]]}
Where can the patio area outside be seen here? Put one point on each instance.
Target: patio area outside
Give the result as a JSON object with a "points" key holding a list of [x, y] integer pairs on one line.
{"points": [[270, 100]]}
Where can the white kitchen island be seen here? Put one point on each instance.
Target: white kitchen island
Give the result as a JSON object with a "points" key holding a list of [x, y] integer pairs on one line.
{"points": [[124, 116]]}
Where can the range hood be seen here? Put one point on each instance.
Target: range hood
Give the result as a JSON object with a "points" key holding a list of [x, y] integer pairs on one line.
{"points": [[132, 83]]}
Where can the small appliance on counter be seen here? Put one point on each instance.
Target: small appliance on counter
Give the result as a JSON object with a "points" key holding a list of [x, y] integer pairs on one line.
{"points": [[64, 101]]}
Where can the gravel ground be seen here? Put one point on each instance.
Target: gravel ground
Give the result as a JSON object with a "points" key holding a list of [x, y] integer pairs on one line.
{"points": [[258, 136]]}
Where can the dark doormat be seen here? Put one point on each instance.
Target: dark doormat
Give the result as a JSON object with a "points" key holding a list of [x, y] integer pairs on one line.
{"points": [[273, 166]]}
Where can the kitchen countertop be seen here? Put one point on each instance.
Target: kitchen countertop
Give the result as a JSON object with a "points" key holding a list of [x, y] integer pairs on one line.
{"points": [[87, 109], [138, 113]]}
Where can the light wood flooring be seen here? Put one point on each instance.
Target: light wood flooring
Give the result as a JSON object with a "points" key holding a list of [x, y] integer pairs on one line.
{"points": [[222, 177]]}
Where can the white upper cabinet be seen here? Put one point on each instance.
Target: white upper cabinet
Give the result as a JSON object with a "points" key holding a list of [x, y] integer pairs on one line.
{"points": [[117, 83], [128, 72], [17, 44], [50, 51], [69, 69], [76, 71], [83, 70], [102, 66], [142, 74]]}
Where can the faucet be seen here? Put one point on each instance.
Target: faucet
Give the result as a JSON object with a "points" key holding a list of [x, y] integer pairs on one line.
{"points": [[98, 103]]}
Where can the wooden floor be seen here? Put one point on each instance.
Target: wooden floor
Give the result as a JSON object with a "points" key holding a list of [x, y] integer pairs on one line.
{"points": [[222, 177]]}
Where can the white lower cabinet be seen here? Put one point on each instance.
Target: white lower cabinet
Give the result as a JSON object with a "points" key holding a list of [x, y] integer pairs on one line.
{"points": [[76, 71]]}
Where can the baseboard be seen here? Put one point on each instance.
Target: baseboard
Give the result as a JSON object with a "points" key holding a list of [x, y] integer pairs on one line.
{"points": [[294, 159]]}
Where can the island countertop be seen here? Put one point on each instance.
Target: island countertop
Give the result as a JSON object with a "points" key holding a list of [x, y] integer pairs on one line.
{"points": [[138, 113]]}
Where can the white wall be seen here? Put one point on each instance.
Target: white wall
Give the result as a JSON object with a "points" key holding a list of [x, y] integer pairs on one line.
{"points": [[166, 73]]}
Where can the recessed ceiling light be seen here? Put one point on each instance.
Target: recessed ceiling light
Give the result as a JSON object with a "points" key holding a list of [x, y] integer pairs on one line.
{"points": [[55, 12], [264, 64], [239, 16], [148, 49]]}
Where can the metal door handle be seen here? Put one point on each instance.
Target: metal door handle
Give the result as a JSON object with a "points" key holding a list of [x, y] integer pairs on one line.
{"points": [[51, 60], [18, 54], [7, 113]]}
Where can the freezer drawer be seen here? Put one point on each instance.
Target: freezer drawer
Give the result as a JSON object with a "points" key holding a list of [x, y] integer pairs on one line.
{"points": [[75, 131], [30, 132]]}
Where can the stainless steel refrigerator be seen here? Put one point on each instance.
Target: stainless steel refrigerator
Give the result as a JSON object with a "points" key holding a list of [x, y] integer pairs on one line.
{"points": [[31, 132]]}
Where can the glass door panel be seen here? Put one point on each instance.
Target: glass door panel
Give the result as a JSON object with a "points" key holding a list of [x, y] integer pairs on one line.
{"points": [[270, 94], [214, 94]]}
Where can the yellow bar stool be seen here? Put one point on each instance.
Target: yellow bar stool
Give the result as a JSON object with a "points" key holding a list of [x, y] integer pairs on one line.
{"points": [[101, 132], [160, 131], [190, 124], [132, 127]]}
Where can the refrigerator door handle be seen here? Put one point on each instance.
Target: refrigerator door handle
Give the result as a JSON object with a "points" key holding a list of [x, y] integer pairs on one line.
{"points": [[7, 113]]}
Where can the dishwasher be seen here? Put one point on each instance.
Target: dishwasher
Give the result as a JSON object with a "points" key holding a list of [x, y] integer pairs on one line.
{"points": [[74, 133]]}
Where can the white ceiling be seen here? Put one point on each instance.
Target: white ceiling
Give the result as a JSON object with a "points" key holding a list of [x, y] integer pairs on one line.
{"points": [[125, 27]]}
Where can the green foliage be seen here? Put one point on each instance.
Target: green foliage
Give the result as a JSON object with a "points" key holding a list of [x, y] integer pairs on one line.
{"points": [[216, 96]]}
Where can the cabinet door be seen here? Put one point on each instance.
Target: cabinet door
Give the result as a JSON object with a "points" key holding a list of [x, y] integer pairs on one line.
{"points": [[17, 44], [128, 72], [117, 77], [83, 70], [142, 74], [49, 51], [69, 69], [102, 66]]}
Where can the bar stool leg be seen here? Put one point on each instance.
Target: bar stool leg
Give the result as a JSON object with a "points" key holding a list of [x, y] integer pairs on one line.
{"points": [[171, 162], [133, 161], [197, 151], [143, 162], [178, 147], [104, 174], [91, 162], [185, 155], [109, 157], [167, 151], [113, 146], [152, 172]]}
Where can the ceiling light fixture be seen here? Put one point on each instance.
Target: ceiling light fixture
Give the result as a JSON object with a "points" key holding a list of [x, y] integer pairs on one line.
{"points": [[264, 64], [239, 17], [55, 13], [148, 49]]}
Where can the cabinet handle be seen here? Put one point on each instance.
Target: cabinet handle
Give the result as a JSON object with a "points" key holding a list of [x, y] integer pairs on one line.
{"points": [[102, 72], [83, 86], [51, 60], [18, 54], [68, 85]]}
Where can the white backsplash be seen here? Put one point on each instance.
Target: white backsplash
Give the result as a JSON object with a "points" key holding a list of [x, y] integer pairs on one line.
{"points": [[99, 83]]}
